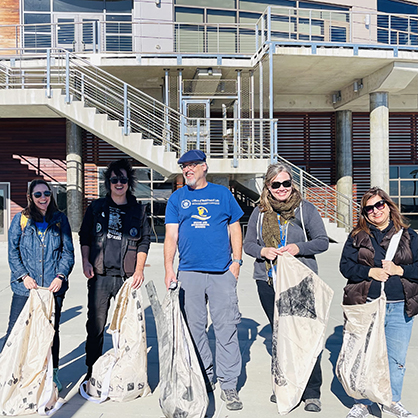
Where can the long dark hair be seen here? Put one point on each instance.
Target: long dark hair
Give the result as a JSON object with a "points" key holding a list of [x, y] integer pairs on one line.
{"points": [[398, 220], [31, 211], [116, 167]]}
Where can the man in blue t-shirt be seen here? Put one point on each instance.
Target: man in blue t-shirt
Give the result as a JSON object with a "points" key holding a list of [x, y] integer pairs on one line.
{"points": [[202, 219]]}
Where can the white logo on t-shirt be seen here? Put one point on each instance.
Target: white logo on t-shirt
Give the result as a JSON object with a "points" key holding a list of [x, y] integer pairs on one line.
{"points": [[185, 204]]}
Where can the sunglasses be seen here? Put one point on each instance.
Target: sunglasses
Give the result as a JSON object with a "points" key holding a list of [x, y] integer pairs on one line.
{"points": [[378, 205], [116, 180], [277, 184], [46, 193], [189, 165]]}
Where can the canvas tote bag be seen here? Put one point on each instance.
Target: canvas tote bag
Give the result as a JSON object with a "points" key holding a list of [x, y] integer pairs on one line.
{"points": [[301, 313], [26, 369], [182, 387], [121, 373], [362, 365]]}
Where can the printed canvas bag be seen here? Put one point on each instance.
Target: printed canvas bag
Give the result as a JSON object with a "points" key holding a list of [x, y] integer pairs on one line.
{"points": [[121, 373], [301, 313], [182, 388]]}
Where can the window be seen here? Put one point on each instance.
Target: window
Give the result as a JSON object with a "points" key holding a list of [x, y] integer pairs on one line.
{"points": [[37, 5], [404, 191]]}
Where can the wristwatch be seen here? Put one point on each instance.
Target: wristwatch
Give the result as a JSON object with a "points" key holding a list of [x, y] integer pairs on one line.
{"points": [[235, 260]]}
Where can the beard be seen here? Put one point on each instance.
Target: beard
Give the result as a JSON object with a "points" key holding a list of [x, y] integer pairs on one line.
{"points": [[190, 182]]}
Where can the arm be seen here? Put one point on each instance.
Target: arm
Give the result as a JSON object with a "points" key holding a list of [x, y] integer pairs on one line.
{"points": [[236, 244], [318, 239], [170, 246], [15, 259], [87, 267], [85, 242], [407, 271], [142, 253], [66, 262]]}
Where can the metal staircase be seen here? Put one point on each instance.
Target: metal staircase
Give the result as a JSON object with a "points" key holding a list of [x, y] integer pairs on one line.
{"points": [[147, 129]]}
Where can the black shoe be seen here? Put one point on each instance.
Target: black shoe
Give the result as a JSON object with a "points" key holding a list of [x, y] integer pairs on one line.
{"points": [[313, 405], [273, 398]]}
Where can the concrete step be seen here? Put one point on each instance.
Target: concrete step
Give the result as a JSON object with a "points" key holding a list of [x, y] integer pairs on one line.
{"points": [[334, 232]]}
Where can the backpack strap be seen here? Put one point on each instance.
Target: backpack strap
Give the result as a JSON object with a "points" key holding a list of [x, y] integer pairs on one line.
{"points": [[23, 221]]}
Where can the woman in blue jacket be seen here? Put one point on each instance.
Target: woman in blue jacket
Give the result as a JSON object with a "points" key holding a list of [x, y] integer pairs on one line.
{"points": [[41, 253]]}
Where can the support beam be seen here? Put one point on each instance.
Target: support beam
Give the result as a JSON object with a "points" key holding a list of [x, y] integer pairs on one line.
{"points": [[344, 150], [75, 183], [379, 140]]}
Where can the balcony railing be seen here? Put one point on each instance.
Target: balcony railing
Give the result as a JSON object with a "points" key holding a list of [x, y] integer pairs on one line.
{"points": [[276, 24]]}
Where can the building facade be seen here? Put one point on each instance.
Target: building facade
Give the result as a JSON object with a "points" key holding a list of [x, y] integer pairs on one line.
{"points": [[330, 87]]}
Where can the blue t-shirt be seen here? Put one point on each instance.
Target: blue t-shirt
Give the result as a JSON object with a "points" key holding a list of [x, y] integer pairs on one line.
{"points": [[41, 228], [203, 216]]}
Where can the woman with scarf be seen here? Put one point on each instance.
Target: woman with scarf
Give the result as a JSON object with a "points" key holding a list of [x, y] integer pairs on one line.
{"points": [[363, 263], [282, 222]]}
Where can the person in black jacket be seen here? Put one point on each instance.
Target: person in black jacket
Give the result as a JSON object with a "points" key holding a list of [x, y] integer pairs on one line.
{"points": [[363, 264], [115, 239]]}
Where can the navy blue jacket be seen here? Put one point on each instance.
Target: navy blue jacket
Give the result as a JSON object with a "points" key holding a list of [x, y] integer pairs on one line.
{"points": [[43, 261]]}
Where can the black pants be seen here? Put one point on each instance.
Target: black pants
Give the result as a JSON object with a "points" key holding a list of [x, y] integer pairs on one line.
{"points": [[266, 294], [18, 303], [101, 289]]}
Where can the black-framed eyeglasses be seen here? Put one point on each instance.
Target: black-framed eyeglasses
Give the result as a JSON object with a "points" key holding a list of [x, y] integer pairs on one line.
{"points": [[189, 165], [46, 193], [277, 184], [380, 205], [116, 180]]}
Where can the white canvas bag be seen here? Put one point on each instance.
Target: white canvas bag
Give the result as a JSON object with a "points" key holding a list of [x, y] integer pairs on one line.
{"points": [[182, 388], [26, 369], [121, 373], [362, 365], [301, 313]]}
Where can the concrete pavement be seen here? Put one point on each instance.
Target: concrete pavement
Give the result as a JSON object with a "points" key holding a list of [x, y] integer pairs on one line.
{"points": [[255, 343]]}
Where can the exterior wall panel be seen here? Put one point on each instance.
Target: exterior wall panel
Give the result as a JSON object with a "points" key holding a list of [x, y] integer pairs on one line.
{"points": [[9, 15]]}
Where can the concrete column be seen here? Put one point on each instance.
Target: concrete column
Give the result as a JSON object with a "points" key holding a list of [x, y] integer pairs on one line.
{"points": [[344, 150], [75, 177], [379, 140], [219, 179]]}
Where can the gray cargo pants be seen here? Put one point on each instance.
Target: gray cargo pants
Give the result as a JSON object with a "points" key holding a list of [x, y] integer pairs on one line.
{"points": [[221, 293]]}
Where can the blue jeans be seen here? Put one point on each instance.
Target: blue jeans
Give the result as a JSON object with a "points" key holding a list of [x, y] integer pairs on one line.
{"points": [[18, 302], [398, 329]]}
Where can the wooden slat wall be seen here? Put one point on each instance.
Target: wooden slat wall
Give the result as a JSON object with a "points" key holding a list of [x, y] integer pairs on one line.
{"points": [[9, 15], [308, 140], [31, 148]]}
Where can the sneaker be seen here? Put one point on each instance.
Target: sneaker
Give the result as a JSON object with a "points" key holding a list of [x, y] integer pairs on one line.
{"points": [[56, 380], [313, 405], [273, 398], [398, 410], [230, 396], [358, 411]]}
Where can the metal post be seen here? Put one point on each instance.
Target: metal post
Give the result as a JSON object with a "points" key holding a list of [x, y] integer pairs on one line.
{"points": [[301, 186], [7, 78], [23, 79], [99, 35], [67, 77], [251, 147], [269, 23], [125, 109], [256, 36], [310, 25], [261, 114], [166, 109], [198, 133], [275, 141], [271, 102], [239, 104], [94, 27], [182, 117], [48, 73], [82, 87]]}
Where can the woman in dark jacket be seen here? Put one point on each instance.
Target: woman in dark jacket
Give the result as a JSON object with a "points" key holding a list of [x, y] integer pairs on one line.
{"points": [[41, 253], [363, 264], [283, 221]]}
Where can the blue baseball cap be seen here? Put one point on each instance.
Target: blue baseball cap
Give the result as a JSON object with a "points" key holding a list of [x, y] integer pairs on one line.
{"points": [[194, 155]]}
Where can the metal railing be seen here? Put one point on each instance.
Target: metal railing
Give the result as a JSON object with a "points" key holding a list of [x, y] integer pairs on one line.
{"points": [[331, 204], [138, 112], [155, 37]]}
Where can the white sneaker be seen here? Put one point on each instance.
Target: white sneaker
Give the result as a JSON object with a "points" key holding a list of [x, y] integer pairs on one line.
{"points": [[398, 410], [358, 411]]}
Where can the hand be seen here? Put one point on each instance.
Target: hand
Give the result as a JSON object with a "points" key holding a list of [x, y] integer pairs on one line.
{"points": [[170, 276], [88, 269], [234, 269], [270, 253], [55, 285], [391, 268], [138, 279], [378, 274], [292, 249], [29, 283]]}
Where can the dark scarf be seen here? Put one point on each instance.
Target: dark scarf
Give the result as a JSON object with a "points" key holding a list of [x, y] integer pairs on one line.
{"points": [[270, 227]]}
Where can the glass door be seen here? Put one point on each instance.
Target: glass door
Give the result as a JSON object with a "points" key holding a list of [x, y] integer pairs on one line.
{"points": [[4, 210], [78, 33]]}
